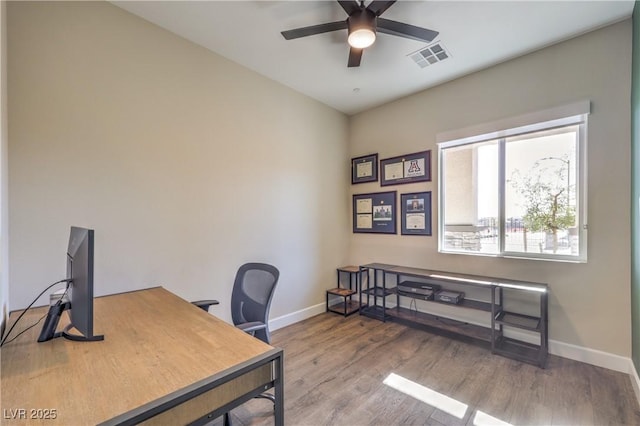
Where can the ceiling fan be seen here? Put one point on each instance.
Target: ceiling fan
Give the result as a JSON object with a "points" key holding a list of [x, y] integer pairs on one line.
{"points": [[362, 24]]}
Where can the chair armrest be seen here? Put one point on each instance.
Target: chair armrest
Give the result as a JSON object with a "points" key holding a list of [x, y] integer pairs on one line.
{"points": [[250, 327], [204, 304]]}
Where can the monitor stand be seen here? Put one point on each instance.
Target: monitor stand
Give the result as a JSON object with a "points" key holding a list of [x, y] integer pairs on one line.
{"points": [[78, 337], [48, 331], [51, 323]]}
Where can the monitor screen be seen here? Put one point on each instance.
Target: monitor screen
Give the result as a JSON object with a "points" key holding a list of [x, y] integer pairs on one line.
{"points": [[80, 272], [79, 291]]}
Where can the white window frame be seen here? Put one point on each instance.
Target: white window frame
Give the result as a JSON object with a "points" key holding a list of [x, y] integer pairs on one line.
{"points": [[566, 115]]}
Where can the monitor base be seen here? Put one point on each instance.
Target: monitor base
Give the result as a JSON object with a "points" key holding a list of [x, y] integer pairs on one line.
{"points": [[78, 337], [48, 331]]}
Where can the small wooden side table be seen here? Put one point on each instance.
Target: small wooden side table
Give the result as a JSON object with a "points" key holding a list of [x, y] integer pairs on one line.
{"points": [[347, 306]]}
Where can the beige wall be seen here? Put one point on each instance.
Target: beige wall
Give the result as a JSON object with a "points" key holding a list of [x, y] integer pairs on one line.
{"points": [[4, 169], [186, 164], [191, 165], [589, 303]]}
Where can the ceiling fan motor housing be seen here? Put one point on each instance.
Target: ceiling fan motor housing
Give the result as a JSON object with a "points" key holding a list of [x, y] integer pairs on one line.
{"points": [[362, 28]]}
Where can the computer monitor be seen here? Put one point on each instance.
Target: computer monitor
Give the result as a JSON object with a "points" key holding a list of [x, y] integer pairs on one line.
{"points": [[80, 291], [80, 272]]}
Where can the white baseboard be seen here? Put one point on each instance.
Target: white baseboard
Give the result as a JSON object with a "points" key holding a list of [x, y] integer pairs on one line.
{"points": [[577, 353], [590, 356], [635, 380], [297, 316]]}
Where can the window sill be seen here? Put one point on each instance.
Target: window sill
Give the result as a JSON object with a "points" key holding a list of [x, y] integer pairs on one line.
{"points": [[527, 256]]}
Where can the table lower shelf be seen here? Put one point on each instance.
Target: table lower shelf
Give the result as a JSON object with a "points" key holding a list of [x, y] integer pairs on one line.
{"points": [[345, 308], [443, 326], [470, 333], [375, 312], [521, 351]]}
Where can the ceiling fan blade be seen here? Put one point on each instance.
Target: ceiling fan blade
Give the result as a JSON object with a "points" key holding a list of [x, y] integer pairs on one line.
{"points": [[349, 6], [400, 29], [314, 29], [380, 6], [355, 55]]}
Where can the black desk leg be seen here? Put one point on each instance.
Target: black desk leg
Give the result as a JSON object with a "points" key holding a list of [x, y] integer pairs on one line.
{"points": [[279, 391]]}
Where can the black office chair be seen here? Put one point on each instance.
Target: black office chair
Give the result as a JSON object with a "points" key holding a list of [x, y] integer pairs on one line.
{"points": [[251, 299], [253, 290]]}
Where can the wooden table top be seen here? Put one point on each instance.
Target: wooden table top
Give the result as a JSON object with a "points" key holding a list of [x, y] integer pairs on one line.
{"points": [[155, 343]]}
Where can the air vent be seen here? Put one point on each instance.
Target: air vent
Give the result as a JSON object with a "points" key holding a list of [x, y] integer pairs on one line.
{"points": [[430, 55]]}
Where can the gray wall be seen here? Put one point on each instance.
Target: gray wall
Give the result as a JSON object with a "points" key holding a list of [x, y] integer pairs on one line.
{"points": [[589, 303], [4, 171], [635, 187], [191, 165], [185, 164]]}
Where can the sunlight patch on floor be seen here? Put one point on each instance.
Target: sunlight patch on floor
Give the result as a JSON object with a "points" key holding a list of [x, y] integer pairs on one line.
{"points": [[483, 419], [426, 395], [440, 401]]}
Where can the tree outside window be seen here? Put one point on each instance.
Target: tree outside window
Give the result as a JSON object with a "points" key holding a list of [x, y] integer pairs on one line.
{"points": [[546, 190]]}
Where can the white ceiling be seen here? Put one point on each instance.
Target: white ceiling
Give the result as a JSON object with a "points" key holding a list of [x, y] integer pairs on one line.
{"points": [[477, 34]]}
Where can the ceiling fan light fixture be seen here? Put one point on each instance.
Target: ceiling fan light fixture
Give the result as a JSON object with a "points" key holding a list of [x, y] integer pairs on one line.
{"points": [[361, 38], [362, 29]]}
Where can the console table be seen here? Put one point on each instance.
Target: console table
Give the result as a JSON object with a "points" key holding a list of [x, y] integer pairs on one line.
{"points": [[163, 361], [502, 299]]}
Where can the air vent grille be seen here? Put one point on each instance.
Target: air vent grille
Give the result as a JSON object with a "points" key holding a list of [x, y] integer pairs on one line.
{"points": [[430, 55]]}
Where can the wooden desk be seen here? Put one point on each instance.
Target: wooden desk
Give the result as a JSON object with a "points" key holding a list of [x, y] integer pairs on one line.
{"points": [[163, 361]]}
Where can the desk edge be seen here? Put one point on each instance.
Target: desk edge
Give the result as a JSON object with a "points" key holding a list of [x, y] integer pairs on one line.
{"points": [[176, 398]]}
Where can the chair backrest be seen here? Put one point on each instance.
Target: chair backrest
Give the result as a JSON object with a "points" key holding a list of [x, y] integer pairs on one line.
{"points": [[252, 293]]}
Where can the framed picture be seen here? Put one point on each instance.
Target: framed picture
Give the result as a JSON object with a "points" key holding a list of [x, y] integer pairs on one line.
{"points": [[364, 169], [375, 213], [416, 213], [408, 168]]}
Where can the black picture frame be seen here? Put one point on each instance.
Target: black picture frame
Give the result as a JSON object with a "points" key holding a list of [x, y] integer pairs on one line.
{"points": [[409, 168], [364, 169], [375, 213], [415, 209]]}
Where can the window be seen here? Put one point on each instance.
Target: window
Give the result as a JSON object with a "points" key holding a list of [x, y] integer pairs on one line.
{"points": [[516, 191]]}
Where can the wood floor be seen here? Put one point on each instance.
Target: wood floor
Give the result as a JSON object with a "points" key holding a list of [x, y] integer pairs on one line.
{"points": [[335, 368]]}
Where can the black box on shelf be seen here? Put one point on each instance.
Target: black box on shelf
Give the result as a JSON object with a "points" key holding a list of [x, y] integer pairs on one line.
{"points": [[453, 297], [418, 289], [426, 295]]}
